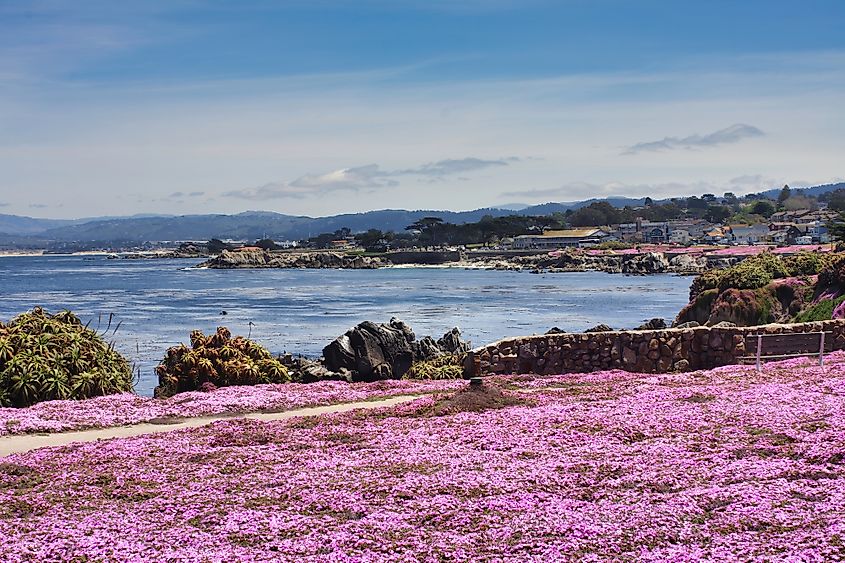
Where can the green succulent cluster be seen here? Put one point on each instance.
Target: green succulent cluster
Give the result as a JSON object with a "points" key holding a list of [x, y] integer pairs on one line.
{"points": [[219, 360], [443, 367], [45, 357]]}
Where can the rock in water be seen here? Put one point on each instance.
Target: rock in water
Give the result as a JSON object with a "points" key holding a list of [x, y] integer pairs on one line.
{"points": [[600, 328], [653, 324], [372, 351]]}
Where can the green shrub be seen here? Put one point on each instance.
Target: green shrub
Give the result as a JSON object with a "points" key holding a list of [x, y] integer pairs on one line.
{"points": [[613, 245], [745, 276], [807, 263], [707, 281], [45, 357], [752, 273], [443, 367], [833, 274], [219, 360], [821, 311]]}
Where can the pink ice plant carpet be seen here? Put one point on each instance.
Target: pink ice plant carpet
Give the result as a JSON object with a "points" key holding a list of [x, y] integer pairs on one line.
{"points": [[719, 465], [128, 408]]}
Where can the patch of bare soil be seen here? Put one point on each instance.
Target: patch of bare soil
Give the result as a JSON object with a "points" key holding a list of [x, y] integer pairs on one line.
{"points": [[473, 399]]}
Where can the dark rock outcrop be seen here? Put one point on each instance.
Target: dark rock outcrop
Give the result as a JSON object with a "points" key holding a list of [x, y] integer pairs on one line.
{"points": [[648, 263], [600, 328], [451, 342], [653, 324], [372, 351]]}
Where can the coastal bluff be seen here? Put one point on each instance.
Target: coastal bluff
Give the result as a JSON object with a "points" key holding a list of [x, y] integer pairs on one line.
{"points": [[642, 351]]}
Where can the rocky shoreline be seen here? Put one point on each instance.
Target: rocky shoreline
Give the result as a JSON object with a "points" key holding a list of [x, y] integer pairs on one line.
{"points": [[633, 264]]}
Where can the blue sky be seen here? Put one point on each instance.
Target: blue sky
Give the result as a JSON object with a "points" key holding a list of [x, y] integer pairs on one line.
{"points": [[320, 107]]}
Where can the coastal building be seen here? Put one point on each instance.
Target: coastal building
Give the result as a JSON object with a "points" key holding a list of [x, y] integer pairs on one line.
{"points": [[585, 237], [786, 234], [748, 234], [679, 236], [816, 231], [717, 235], [645, 231], [804, 216], [695, 227], [659, 232]]}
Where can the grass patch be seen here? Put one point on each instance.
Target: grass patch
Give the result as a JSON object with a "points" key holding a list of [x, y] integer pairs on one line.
{"points": [[821, 311]]}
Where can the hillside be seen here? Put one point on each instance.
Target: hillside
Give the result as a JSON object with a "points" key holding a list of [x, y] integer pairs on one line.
{"points": [[814, 191], [249, 225], [22, 226]]}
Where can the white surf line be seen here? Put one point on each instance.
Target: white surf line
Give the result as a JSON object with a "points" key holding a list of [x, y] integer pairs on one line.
{"points": [[27, 442]]}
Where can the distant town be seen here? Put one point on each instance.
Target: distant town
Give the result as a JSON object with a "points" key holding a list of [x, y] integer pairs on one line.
{"points": [[785, 217], [791, 219]]}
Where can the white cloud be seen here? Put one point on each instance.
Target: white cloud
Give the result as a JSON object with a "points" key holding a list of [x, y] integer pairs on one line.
{"points": [[352, 179], [732, 134], [456, 166], [368, 177]]}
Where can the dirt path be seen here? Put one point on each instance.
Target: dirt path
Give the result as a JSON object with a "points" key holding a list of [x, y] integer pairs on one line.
{"points": [[27, 442]]}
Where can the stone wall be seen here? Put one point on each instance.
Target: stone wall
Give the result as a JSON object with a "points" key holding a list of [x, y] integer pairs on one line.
{"points": [[423, 256], [646, 351]]}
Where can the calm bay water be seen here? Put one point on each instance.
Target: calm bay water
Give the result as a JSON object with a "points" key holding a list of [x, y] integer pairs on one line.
{"points": [[160, 301]]}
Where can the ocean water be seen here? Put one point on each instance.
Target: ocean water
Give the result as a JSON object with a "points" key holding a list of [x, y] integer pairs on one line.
{"points": [[158, 302]]}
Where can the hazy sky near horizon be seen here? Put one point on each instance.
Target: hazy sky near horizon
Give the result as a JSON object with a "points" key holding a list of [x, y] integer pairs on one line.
{"points": [[320, 107]]}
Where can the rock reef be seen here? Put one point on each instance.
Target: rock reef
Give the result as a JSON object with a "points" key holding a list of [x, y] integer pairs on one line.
{"points": [[228, 260], [570, 261]]}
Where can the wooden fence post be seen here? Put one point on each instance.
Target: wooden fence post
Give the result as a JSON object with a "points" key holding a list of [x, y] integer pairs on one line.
{"points": [[759, 348]]}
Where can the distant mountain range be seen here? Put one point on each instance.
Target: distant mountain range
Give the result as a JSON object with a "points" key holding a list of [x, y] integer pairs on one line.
{"points": [[815, 191], [28, 232]]}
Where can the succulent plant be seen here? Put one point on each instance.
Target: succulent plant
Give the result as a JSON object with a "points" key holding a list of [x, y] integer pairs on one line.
{"points": [[449, 366], [219, 360], [45, 357]]}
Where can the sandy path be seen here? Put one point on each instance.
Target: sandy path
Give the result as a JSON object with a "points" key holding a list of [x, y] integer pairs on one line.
{"points": [[27, 442]]}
